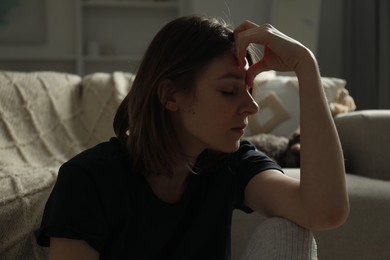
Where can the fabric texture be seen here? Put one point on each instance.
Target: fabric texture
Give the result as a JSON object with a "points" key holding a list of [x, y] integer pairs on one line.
{"points": [[45, 118], [84, 205], [280, 239]]}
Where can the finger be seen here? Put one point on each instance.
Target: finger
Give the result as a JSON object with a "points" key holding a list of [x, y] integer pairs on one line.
{"points": [[253, 34], [258, 67], [240, 48], [244, 26], [254, 70]]}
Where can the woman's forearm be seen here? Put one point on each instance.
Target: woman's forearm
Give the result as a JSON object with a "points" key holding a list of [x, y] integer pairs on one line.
{"points": [[323, 188]]}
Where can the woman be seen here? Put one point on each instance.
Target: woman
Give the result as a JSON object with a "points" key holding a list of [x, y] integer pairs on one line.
{"points": [[166, 186]]}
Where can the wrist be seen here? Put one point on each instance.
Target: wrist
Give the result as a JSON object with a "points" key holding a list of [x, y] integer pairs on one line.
{"points": [[307, 65]]}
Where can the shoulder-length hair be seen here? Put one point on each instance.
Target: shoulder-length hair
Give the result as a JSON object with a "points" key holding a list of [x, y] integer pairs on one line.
{"points": [[177, 53]]}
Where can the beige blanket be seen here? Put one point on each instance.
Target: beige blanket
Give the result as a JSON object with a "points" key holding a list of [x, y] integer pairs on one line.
{"points": [[46, 118]]}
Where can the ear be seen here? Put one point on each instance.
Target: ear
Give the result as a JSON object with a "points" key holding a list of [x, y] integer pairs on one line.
{"points": [[166, 92]]}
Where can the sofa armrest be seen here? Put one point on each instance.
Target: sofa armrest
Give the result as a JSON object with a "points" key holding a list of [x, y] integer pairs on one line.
{"points": [[365, 138]]}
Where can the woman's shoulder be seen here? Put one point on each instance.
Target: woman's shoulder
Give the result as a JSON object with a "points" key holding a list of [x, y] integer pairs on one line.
{"points": [[105, 151], [104, 168], [245, 148], [248, 156], [107, 157]]}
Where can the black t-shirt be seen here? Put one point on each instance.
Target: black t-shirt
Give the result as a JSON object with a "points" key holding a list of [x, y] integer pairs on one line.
{"points": [[100, 199]]}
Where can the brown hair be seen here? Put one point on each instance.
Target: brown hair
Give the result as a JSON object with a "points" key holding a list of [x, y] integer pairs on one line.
{"points": [[177, 53]]}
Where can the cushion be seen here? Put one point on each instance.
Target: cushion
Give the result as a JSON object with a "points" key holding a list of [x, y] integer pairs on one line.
{"points": [[365, 139], [278, 99]]}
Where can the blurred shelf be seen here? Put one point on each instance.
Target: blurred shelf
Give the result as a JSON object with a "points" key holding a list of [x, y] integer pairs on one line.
{"points": [[38, 58], [125, 26], [111, 58], [131, 4]]}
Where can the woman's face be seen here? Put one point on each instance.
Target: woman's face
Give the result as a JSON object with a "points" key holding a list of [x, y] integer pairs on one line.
{"points": [[215, 115]]}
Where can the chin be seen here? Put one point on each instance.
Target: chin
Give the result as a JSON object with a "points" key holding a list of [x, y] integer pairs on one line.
{"points": [[231, 148]]}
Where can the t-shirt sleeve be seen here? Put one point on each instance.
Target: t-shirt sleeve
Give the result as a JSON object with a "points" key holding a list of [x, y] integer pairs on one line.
{"points": [[245, 164], [73, 209]]}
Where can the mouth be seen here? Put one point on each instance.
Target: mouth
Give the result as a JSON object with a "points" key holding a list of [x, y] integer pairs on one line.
{"points": [[239, 129]]}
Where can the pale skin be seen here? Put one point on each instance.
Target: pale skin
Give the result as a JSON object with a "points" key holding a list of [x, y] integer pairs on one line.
{"points": [[318, 200]]}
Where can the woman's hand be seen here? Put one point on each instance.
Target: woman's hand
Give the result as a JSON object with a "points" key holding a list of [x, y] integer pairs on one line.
{"points": [[64, 249], [281, 53]]}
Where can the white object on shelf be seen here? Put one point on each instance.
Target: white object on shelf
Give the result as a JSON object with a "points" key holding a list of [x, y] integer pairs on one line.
{"points": [[123, 28]]}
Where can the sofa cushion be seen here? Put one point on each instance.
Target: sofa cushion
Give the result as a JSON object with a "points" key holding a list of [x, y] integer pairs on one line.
{"points": [[366, 233], [365, 138], [278, 98]]}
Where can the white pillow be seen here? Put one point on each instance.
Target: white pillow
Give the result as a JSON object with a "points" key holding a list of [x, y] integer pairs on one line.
{"points": [[278, 99]]}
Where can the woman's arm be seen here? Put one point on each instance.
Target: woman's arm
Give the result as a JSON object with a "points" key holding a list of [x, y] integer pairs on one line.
{"points": [[319, 200], [65, 249]]}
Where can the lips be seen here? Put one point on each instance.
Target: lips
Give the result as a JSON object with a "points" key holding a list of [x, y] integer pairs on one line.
{"points": [[241, 126], [239, 129]]}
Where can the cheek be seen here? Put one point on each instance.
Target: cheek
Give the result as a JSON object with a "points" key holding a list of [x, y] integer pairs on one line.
{"points": [[199, 118], [213, 112], [207, 110]]}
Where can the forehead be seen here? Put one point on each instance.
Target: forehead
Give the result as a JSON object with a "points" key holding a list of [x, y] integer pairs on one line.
{"points": [[225, 63]]}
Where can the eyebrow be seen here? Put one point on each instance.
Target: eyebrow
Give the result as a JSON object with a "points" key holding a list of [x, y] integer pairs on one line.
{"points": [[231, 75]]}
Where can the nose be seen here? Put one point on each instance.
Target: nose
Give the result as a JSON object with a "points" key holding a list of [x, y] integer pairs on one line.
{"points": [[249, 106]]}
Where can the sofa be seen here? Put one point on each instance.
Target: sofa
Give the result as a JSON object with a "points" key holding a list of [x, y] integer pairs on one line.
{"points": [[47, 117]]}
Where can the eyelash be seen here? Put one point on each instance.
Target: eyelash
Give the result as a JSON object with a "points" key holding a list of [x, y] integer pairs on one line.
{"points": [[228, 93]]}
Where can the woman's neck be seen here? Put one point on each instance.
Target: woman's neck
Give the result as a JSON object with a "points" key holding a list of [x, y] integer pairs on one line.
{"points": [[170, 188]]}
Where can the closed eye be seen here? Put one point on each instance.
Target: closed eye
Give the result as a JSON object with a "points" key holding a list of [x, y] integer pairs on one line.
{"points": [[228, 93]]}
